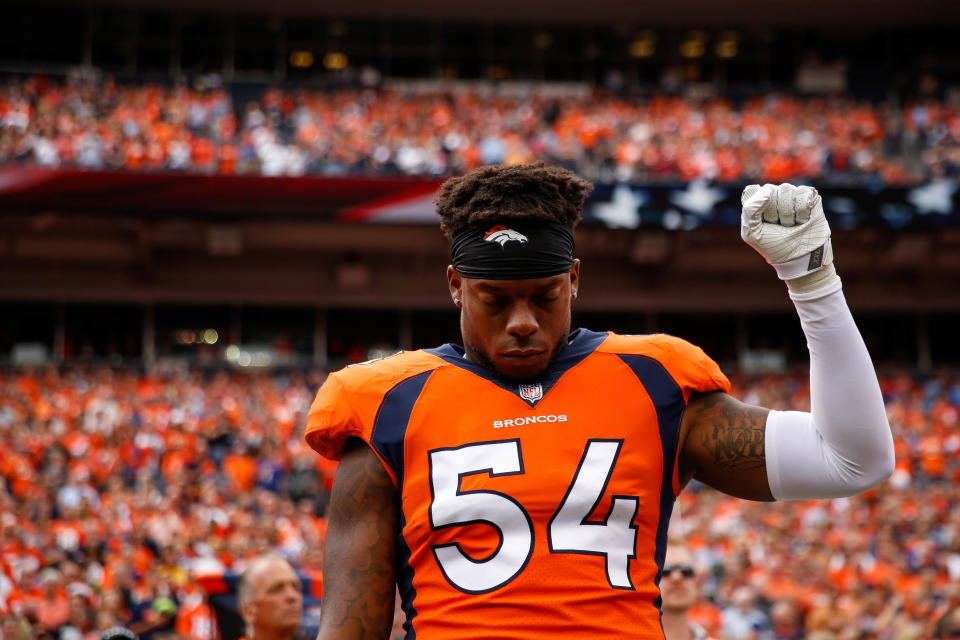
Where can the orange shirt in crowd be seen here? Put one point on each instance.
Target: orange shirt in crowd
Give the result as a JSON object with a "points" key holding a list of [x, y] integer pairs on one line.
{"points": [[240, 470]]}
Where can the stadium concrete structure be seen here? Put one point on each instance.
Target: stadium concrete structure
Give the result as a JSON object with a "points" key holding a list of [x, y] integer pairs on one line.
{"points": [[263, 259], [747, 41], [684, 13], [94, 254]]}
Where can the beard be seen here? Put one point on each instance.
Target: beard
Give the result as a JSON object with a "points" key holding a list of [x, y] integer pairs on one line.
{"points": [[477, 355]]}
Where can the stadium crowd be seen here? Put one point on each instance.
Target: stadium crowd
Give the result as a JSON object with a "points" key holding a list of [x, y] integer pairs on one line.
{"points": [[121, 491], [101, 124]]}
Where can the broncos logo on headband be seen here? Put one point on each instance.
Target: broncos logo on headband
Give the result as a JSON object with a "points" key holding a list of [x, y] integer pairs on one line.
{"points": [[501, 235]]}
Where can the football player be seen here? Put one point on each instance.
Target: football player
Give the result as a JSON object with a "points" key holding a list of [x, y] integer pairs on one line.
{"points": [[520, 486]]}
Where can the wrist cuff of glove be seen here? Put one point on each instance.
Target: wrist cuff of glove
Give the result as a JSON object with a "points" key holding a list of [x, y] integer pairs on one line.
{"points": [[805, 264], [815, 285]]}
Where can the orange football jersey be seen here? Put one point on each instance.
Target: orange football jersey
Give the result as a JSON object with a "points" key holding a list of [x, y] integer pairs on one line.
{"points": [[530, 511]]}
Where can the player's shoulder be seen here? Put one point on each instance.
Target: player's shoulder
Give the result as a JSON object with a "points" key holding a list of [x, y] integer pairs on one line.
{"points": [[654, 345], [383, 374], [689, 366], [349, 401]]}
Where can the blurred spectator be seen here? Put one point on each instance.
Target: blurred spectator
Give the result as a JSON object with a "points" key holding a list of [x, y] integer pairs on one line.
{"points": [[51, 607], [14, 627], [948, 626], [96, 123], [270, 599], [680, 590], [742, 618], [785, 621]]}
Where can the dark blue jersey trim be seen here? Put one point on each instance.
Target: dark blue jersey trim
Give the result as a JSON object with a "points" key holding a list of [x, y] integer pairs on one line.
{"points": [[582, 343], [389, 432], [390, 425], [404, 570], [668, 400]]}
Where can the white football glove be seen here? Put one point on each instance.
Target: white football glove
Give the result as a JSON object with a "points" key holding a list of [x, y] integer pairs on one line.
{"points": [[786, 225]]}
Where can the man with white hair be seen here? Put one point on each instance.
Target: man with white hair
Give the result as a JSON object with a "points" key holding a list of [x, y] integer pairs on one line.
{"points": [[270, 599]]}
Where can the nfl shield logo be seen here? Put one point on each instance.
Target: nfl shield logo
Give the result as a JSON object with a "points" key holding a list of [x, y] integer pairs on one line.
{"points": [[531, 392]]}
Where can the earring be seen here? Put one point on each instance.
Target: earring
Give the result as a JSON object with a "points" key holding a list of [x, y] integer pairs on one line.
{"points": [[574, 295], [456, 301]]}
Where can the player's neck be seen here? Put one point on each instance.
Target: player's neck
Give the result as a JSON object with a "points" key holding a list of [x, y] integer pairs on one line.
{"points": [[676, 626], [475, 355]]}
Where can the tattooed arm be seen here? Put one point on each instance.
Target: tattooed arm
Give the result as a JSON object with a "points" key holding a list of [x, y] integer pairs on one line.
{"points": [[843, 446], [722, 445], [358, 564]]}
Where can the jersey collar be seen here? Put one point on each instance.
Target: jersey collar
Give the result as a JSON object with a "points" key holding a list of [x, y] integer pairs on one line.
{"points": [[580, 344]]}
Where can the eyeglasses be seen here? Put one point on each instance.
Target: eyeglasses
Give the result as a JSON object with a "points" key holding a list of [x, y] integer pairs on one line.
{"points": [[685, 570]]}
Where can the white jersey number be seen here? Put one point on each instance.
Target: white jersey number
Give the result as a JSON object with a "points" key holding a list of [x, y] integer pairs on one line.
{"points": [[452, 507], [569, 530]]}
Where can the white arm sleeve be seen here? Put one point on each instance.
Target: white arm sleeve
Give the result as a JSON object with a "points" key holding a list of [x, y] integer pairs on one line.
{"points": [[843, 446]]}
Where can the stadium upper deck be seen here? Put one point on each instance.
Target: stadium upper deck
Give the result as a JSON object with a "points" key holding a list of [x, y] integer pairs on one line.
{"points": [[96, 123]]}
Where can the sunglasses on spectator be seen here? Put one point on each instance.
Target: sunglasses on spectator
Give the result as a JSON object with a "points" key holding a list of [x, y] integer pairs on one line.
{"points": [[685, 570]]}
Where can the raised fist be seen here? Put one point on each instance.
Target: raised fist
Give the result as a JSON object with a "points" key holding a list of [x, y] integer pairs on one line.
{"points": [[786, 225]]}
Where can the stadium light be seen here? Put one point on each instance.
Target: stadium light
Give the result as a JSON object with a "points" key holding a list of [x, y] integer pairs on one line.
{"points": [[542, 40], [642, 48], [497, 72], [301, 59], [695, 45], [644, 45], [728, 45], [335, 61]]}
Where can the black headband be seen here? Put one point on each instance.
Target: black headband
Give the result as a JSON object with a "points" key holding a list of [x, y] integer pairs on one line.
{"points": [[515, 250]]}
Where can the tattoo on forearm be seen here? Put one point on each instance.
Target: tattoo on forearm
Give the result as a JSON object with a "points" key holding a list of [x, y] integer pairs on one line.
{"points": [[360, 550], [736, 440]]}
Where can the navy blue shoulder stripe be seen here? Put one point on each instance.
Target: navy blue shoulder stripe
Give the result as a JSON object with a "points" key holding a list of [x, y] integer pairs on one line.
{"points": [[408, 593], [389, 433], [668, 400], [390, 425]]}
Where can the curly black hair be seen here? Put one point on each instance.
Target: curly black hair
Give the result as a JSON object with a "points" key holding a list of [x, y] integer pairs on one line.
{"points": [[497, 193]]}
